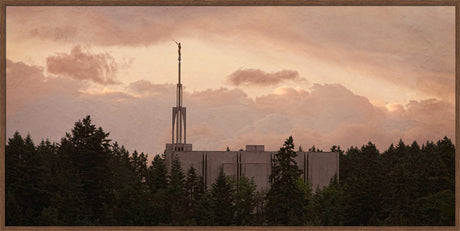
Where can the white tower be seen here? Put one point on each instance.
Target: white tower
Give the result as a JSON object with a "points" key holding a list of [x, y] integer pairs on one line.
{"points": [[179, 132]]}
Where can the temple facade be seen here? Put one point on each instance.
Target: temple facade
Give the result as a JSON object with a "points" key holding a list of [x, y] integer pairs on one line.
{"points": [[254, 162]]}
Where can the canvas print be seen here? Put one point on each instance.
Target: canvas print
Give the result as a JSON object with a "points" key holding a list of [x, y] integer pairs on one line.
{"points": [[230, 116]]}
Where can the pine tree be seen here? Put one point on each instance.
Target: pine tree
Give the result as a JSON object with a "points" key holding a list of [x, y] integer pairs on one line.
{"points": [[362, 187], [157, 188], [21, 180], [176, 193], [260, 208], [244, 201], [327, 204], [205, 215], [285, 200], [194, 191], [45, 175], [222, 199], [125, 186], [86, 152], [400, 184], [157, 175]]}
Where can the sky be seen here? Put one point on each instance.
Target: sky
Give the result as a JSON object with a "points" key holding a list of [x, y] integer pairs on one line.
{"points": [[251, 75]]}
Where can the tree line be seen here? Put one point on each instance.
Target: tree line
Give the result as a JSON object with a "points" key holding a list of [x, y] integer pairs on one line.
{"points": [[86, 179]]}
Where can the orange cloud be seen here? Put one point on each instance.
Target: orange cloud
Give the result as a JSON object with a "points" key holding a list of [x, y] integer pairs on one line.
{"points": [[261, 78], [83, 65]]}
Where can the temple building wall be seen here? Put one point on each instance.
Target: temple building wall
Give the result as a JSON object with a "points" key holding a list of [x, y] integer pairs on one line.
{"points": [[322, 166], [256, 163]]}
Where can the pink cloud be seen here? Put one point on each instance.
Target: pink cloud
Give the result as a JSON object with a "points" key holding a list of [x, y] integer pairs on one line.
{"points": [[412, 47], [427, 117], [58, 33], [106, 26], [83, 65], [146, 88], [322, 115], [25, 84], [324, 107], [221, 96], [261, 78]]}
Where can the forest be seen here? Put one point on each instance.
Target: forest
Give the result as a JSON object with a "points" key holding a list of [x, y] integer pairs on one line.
{"points": [[88, 180]]}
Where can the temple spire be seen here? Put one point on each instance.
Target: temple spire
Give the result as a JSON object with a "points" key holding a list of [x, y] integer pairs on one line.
{"points": [[179, 112]]}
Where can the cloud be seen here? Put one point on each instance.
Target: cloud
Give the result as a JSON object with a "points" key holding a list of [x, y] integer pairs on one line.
{"points": [[409, 47], [103, 26], [324, 107], [219, 97], [322, 115], [257, 77], [417, 44], [79, 64], [146, 88], [26, 84], [440, 85], [426, 116]]}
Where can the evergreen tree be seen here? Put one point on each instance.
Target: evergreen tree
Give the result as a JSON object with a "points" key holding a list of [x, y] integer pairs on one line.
{"points": [[45, 175], [124, 187], [285, 200], [327, 204], [244, 201], [157, 174], [400, 166], [13, 166], [86, 180], [87, 156], [260, 208], [194, 191], [157, 187], [204, 211], [21, 181], [222, 199], [437, 209], [139, 165], [176, 193], [446, 152], [346, 163], [362, 186]]}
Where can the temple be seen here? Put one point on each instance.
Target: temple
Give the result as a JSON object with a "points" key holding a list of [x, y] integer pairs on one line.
{"points": [[253, 161]]}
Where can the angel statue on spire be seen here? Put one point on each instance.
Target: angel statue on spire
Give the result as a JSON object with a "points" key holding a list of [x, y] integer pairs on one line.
{"points": [[178, 45]]}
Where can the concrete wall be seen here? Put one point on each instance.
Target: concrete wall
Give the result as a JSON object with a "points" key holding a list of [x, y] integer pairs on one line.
{"points": [[255, 148], [189, 159], [318, 167], [322, 166], [301, 163], [218, 159], [257, 165]]}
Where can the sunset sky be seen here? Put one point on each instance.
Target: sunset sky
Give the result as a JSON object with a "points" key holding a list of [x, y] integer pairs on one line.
{"points": [[251, 75]]}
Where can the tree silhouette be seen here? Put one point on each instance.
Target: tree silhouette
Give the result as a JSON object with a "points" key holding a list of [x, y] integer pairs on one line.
{"points": [[286, 201]]}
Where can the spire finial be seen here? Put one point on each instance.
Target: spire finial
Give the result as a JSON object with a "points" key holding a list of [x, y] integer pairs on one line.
{"points": [[178, 46]]}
